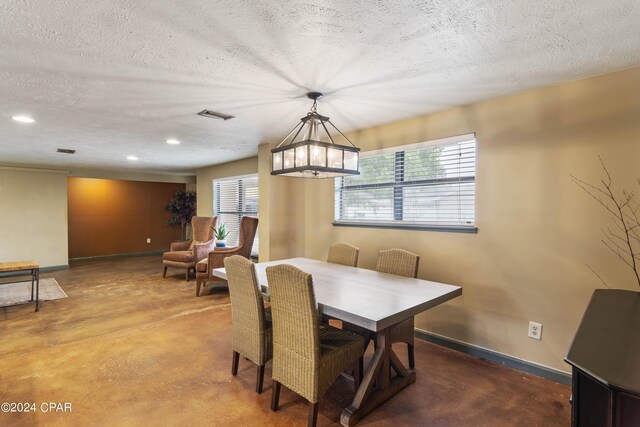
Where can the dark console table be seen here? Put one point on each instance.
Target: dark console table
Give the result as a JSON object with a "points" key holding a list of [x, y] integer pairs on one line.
{"points": [[605, 360]]}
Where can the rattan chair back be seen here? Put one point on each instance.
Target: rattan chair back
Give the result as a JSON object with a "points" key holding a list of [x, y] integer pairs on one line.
{"points": [[247, 310], [343, 253], [296, 337], [398, 262], [294, 312]]}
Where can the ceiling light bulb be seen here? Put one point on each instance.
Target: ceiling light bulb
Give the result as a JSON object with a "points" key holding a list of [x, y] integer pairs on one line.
{"points": [[132, 158], [173, 141], [23, 119]]}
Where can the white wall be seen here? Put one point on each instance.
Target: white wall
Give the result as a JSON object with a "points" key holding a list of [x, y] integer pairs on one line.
{"points": [[33, 216]]}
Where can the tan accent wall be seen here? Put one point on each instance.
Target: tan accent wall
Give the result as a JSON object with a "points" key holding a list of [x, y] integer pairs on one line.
{"points": [[108, 217], [205, 177], [537, 229], [33, 216], [278, 206]]}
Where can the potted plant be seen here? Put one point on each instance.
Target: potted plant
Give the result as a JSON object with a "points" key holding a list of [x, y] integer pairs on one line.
{"points": [[221, 234], [182, 207]]}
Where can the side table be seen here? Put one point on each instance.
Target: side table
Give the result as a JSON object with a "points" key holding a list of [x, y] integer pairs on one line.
{"points": [[25, 266]]}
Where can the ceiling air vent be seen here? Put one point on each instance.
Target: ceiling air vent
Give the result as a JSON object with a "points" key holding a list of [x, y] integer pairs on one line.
{"points": [[66, 151], [214, 115]]}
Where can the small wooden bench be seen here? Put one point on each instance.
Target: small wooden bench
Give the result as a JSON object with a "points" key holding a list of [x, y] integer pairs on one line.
{"points": [[23, 266]]}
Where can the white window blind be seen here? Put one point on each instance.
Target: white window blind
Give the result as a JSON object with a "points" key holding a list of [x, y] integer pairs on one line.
{"points": [[234, 198], [429, 185]]}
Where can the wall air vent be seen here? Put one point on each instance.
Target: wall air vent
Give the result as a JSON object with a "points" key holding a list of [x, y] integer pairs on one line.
{"points": [[214, 115], [66, 151]]}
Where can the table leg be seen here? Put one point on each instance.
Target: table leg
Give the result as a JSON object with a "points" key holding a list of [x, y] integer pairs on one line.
{"points": [[33, 279], [37, 277], [384, 377], [377, 385]]}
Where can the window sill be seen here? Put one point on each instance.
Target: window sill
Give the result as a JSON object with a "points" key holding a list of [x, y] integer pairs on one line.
{"points": [[469, 230]]}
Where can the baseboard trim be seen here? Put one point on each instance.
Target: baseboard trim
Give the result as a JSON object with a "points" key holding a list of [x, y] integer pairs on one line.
{"points": [[55, 267], [92, 258], [42, 270], [496, 357]]}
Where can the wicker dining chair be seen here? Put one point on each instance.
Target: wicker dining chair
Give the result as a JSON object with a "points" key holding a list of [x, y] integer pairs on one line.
{"points": [[251, 335], [343, 253], [307, 358], [401, 263]]}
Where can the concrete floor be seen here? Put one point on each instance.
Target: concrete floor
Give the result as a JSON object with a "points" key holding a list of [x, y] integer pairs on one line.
{"points": [[129, 348]]}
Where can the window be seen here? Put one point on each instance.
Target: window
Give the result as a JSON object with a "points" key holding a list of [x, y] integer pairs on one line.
{"points": [[428, 185], [234, 198]]}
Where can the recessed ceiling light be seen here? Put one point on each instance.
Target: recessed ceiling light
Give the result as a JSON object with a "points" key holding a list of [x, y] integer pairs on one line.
{"points": [[173, 141], [23, 119], [132, 158]]}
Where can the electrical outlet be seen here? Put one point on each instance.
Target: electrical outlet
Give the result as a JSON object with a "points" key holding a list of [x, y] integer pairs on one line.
{"points": [[148, 240], [535, 330]]}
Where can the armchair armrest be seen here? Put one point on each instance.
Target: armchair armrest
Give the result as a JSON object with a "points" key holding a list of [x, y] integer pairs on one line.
{"points": [[216, 258], [180, 246], [202, 249]]}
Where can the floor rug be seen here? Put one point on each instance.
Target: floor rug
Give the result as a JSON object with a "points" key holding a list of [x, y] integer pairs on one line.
{"points": [[20, 292]]}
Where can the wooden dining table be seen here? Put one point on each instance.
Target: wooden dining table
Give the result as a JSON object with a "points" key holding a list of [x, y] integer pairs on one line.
{"points": [[377, 302]]}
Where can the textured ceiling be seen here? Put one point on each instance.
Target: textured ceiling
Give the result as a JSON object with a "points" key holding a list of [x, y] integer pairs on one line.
{"points": [[119, 77]]}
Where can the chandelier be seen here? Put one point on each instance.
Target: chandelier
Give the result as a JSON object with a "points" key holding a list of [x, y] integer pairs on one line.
{"points": [[312, 152]]}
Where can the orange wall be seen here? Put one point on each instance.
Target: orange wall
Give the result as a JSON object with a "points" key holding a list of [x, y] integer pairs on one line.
{"points": [[108, 217]]}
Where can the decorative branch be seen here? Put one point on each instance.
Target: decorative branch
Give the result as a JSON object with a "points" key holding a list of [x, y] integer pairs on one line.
{"points": [[624, 211], [597, 275], [612, 234]]}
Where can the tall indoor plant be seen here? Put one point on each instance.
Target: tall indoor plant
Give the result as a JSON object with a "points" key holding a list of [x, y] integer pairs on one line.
{"points": [[182, 207]]}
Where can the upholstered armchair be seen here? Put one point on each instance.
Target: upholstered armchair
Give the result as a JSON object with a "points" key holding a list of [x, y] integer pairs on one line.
{"points": [[186, 254], [215, 258]]}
